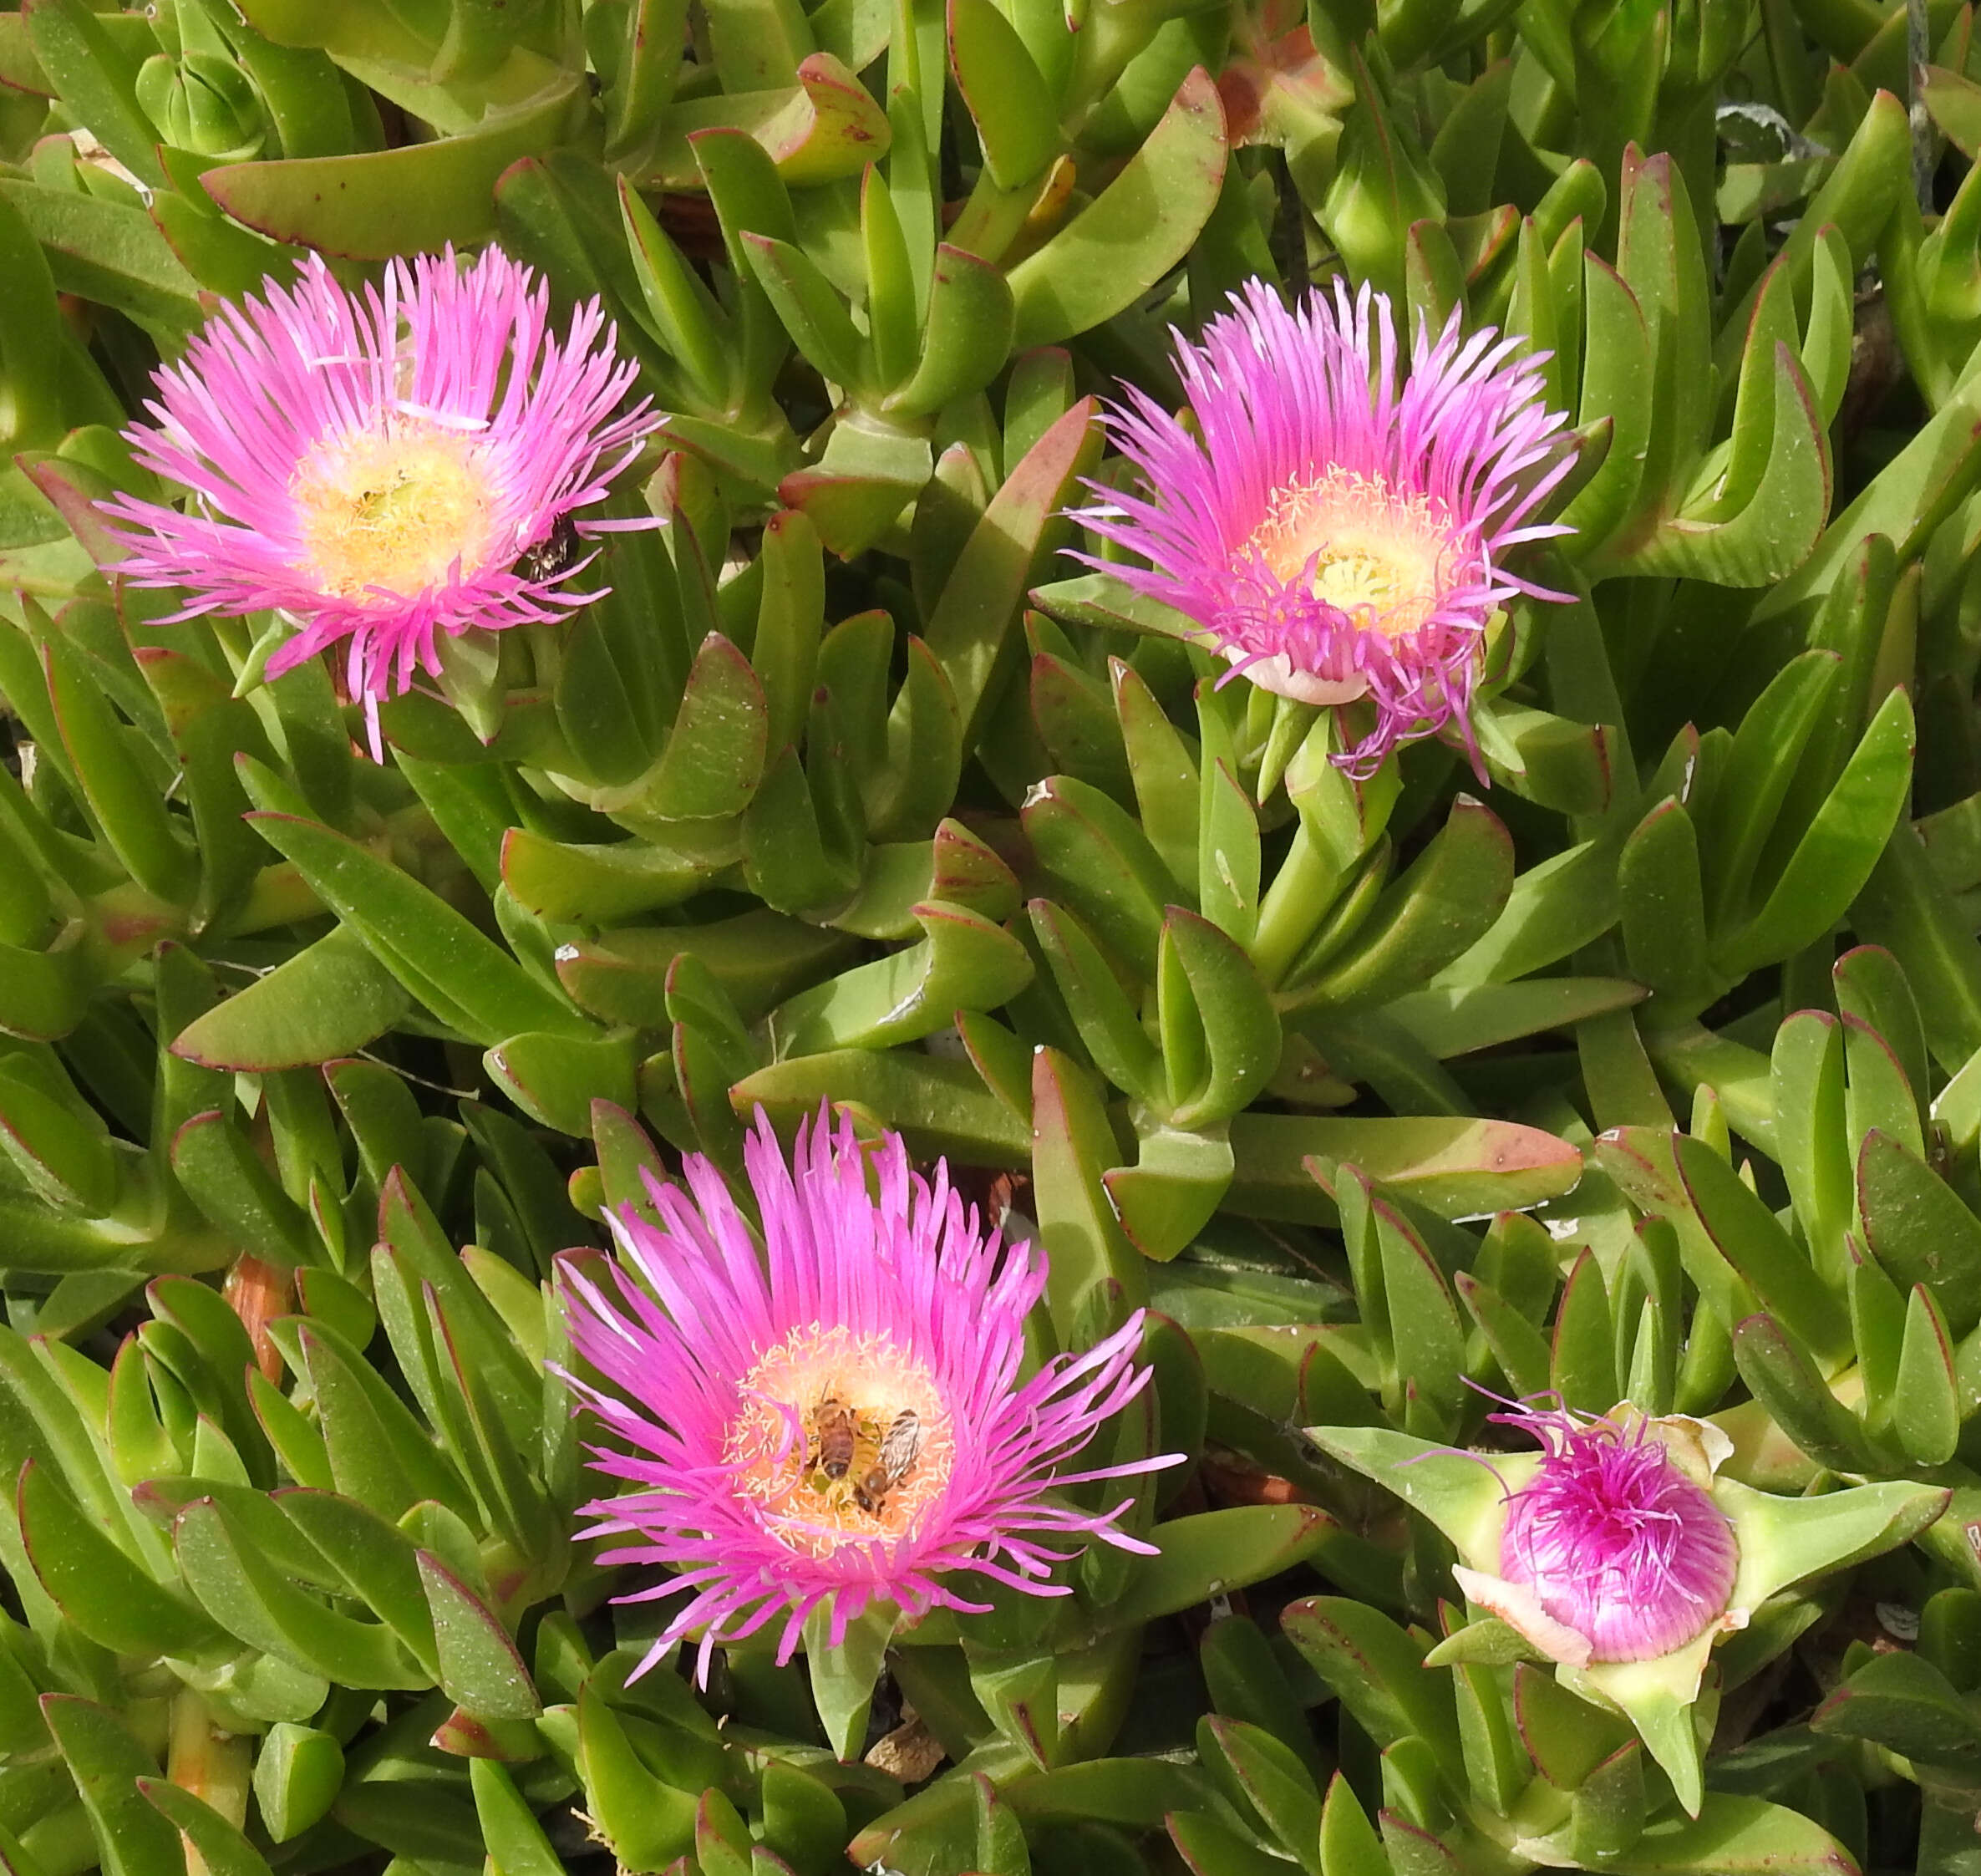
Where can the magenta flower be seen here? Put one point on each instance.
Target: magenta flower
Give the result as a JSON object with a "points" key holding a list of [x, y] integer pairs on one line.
{"points": [[1333, 536], [385, 468], [836, 1417], [1622, 1552], [1614, 1542]]}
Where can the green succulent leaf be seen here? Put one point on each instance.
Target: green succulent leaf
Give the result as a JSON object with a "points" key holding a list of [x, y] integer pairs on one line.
{"points": [[1133, 232], [220, 1845], [132, 1839]]}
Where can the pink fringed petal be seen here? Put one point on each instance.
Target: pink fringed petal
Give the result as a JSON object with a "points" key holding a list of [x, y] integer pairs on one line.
{"points": [[907, 1261], [1613, 1540], [1280, 399], [466, 349]]}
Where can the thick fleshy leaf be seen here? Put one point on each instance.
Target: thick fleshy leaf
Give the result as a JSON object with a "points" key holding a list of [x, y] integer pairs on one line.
{"points": [[297, 1771], [963, 961], [939, 1106], [247, 1596], [1430, 917], [479, 1667], [1926, 1400], [330, 999], [1463, 1497], [1133, 232], [969, 624], [646, 1821], [1907, 1706], [113, 253], [371, 206], [1377, 1670], [1071, 1142], [1287, 1165], [1205, 1555], [1459, 1020], [1748, 1237], [1918, 1229], [971, 321], [825, 129], [132, 1839], [107, 1595], [220, 1846], [1014, 112], [1836, 856], [1737, 1837], [516, 1843], [442, 959]]}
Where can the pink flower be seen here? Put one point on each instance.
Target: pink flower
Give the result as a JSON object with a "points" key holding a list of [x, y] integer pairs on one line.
{"points": [[1613, 1549], [1334, 536], [837, 1417], [1621, 1552], [384, 468]]}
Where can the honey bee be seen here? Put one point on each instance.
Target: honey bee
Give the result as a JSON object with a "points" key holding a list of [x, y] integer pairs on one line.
{"points": [[899, 1446], [552, 555], [835, 1430]]}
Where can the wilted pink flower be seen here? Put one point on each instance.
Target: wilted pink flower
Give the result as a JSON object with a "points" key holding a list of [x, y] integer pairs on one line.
{"points": [[384, 469], [837, 1415], [1333, 536], [1614, 1542]]}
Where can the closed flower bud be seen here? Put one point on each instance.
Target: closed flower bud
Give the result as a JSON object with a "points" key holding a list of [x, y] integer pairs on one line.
{"points": [[203, 103], [1613, 1550]]}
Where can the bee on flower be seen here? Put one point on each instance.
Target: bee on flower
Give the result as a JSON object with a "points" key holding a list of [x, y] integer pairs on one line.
{"points": [[832, 1414], [1335, 534]]}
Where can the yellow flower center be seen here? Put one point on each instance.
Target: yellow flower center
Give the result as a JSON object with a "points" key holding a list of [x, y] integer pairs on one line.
{"points": [[1375, 551], [392, 512], [839, 1437]]}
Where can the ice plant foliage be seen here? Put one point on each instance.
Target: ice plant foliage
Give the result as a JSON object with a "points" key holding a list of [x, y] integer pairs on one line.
{"points": [[837, 1414], [384, 468], [1621, 1550], [1333, 534]]}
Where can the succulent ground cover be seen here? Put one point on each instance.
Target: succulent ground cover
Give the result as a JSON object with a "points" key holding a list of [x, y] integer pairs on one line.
{"points": [[860, 618]]}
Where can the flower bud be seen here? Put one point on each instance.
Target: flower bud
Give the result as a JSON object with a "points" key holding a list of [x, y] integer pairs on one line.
{"points": [[203, 103], [1615, 1538]]}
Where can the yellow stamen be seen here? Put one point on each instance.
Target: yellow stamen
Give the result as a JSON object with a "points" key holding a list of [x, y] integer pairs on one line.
{"points": [[1376, 552], [392, 512], [772, 1440]]}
